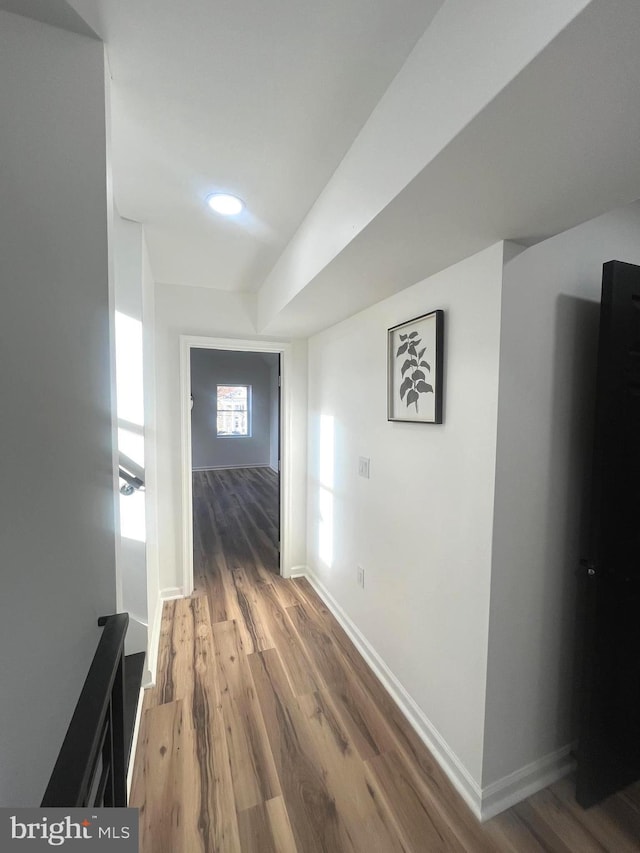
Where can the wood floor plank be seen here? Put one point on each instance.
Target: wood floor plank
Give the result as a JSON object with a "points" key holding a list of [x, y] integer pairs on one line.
{"points": [[310, 596], [281, 826], [159, 795], [137, 779], [364, 722], [252, 766], [210, 569], [286, 592], [319, 646], [164, 685], [284, 637], [234, 608], [181, 675], [249, 611], [208, 796], [255, 831], [363, 814], [509, 834], [612, 834], [213, 796], [415, 822], [265, 828], [555, 826], [316, 824]]}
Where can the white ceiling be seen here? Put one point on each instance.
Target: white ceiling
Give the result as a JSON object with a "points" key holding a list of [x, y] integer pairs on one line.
{"points": [[374, 141], [559, 145], [261, 98]]}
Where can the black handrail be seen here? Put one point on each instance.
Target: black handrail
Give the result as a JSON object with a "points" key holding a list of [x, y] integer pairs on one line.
{"points": [[91, 766]]}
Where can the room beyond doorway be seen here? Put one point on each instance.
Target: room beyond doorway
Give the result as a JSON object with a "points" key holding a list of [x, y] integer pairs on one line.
{"points": [[235, 455], [234, 450]]}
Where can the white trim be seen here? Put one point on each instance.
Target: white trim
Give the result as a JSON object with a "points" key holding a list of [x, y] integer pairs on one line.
{"points": [[149, 677], [134, 741], [275, 470], [299, 572], [187, 343], [228, 467], [185, 443], [484, 802], [514, 787], [171, 592], [168, 594]]}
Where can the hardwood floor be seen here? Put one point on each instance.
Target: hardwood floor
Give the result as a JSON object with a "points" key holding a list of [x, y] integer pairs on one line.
{"points": [[267, 733]]}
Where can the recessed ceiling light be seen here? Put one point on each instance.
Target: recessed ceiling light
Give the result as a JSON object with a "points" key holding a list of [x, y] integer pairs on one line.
{"points": [[227, 205]]}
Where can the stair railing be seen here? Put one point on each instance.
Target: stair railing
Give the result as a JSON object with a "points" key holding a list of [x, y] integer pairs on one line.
{"points": [[91, 769]]}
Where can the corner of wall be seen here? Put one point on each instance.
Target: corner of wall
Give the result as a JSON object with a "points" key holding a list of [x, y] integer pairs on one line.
{"points": [[511, 250]]}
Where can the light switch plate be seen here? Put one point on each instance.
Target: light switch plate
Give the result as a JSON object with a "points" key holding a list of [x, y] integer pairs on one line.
{"points": [[364, 466]]}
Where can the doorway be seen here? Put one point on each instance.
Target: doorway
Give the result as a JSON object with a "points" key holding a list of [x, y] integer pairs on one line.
{"points": [[234, 465]]}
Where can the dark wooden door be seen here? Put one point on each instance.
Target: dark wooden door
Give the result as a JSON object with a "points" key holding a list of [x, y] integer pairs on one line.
{"points": [[609, 745]]}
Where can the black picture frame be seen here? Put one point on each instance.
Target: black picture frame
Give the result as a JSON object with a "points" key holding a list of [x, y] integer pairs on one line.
{"points": [[415, 369]]}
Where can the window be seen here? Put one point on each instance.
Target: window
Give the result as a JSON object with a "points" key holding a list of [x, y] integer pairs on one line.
{"points": [[234, 410]]}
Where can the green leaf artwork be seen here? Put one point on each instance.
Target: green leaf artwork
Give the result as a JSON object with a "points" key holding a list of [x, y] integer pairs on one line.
{"points": [[414, 383]]}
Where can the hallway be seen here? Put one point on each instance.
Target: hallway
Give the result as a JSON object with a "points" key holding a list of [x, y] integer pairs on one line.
{"points": [[267, 733]]}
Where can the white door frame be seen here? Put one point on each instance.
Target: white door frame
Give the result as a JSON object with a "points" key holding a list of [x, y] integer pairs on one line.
{"points": [[187, 343]]}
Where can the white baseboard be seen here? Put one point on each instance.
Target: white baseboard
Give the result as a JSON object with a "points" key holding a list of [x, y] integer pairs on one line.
{"points": [[171, 592], [484, 802], [230, 467], [149, 675], [299, 572], [514, 787]]}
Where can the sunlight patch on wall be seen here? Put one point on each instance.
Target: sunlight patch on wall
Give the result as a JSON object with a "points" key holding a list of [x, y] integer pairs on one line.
{"points": [[132, 445], [129, 385], [326, 474], [132, 517]]}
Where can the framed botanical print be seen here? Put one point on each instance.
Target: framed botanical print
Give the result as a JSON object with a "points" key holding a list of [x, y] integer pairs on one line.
{"points": [[415, 356]]}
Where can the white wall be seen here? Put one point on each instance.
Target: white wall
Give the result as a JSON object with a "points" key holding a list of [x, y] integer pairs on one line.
{"points": [[421, 525], [550, 312], [210, 368], [134, 298], [132, 563], [56, 502], [202, 311]]}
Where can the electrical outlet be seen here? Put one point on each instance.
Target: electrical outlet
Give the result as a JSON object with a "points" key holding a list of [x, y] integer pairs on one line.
{"points": [[361, 577], [363, 466]]}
